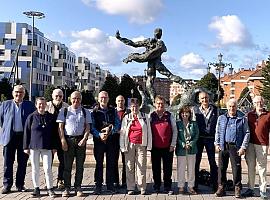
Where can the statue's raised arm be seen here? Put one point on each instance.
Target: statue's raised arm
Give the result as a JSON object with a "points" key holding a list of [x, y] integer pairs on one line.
{"points": [[128, 41]]}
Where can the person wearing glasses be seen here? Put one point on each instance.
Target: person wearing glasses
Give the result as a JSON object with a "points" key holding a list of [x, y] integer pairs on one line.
{"points": [[54, 107], [13, 114]]}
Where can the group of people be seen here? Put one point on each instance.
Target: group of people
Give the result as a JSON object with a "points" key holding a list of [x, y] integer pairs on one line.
{"points": [[40, 130]]}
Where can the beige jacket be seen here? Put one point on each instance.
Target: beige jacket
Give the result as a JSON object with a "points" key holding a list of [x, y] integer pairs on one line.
{"points": [[50, 107], [146, 131]]}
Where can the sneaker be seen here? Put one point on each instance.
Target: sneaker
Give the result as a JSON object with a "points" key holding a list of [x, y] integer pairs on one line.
{"points": [[97, 190], [21, 189], [220, 192], [60, 184], [79, 192], [36, 192], [237, 192], [51, 193], [143, 192], [263, 195], [66, 193], [168, 191], [192, 191], [5, 191], [248, 193]]}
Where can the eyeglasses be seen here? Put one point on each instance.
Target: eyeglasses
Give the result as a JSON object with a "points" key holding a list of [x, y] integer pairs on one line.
{"points": [[18, 92]]}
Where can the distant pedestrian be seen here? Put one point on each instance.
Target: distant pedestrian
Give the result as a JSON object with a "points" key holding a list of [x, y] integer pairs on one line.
{"points": [[259, 125], [135, 140], [39, 141], [13, 114], [186, 149]]}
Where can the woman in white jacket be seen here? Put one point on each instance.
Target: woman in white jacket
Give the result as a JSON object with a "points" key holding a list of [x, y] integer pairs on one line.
{"points": [[135, 140]]}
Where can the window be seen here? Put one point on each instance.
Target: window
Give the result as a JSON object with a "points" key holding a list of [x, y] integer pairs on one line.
{"points": [[29, 42], [232, 92], [24, 52], [28, 64], [13, 41], [2, 52], [59, 73]]}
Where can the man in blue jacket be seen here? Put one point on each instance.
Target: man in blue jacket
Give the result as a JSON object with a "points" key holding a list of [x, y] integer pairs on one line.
{"points": [[13, 114], [231, 141]]}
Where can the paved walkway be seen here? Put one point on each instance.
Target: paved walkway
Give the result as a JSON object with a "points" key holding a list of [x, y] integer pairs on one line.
{"points": [[88, 187]]}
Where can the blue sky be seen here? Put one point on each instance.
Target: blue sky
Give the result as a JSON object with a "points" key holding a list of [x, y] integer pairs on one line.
{"points": [[194, 31]]}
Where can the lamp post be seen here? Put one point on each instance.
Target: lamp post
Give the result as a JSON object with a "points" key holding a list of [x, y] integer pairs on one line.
{"points": [[219, 67], [38, 15]]}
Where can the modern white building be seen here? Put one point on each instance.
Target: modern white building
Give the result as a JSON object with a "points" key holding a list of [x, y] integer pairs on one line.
{"points": [[14, 34]]}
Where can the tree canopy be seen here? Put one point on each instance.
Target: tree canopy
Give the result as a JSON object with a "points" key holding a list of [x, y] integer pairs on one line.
{"points": [[265, 89]]}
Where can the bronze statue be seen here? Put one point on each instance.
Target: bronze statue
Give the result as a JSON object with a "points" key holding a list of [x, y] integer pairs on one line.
{"points": [[154, 47]]}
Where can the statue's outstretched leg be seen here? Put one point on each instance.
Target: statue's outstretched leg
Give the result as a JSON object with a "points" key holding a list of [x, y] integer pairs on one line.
{"points": [[137, 57]]}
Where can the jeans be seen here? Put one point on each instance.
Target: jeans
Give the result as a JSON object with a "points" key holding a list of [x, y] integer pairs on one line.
{"points": [[78, 152], [230, 152], [100, 148], [9, 151], [164, 154], [208, 143]]}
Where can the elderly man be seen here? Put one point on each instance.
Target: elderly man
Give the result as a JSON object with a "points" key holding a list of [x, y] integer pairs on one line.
{"points": [[164, 133], [259, 125], [231, 140], [13, 114], [206, 117], [121, 112], [74, 128], [54, 107], [105, 125]]}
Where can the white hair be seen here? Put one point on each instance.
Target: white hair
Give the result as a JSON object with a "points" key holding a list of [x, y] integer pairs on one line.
{"points": [[256, 98], [19, 87], [57, 91], [234, 101]]}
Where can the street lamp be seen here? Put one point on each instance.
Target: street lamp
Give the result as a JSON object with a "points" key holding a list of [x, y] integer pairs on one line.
{"points": [[38, 15], [219, 67]]}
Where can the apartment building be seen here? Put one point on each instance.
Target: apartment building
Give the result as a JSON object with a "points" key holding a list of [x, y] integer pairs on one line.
{"points": [[14, 34]]}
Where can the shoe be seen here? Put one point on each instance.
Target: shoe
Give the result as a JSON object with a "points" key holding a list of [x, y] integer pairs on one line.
{"points": [[181, 190], [263, 195], [79, 192], [66, 193], [248, 193], [21, 189], [170, 192], [51, 193], [237, 192], [131, 192], [143, 192], [220, 192], [60, 184], [97, 190], [156, 189], [192, 191], [5, 191], [36, 192], [111, 189]]}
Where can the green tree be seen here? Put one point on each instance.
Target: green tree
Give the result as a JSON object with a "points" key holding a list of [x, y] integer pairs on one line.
{"points": [[210, 82], [111, 86], [126, 85], [48, 93], [5, 89], [265, 89]]}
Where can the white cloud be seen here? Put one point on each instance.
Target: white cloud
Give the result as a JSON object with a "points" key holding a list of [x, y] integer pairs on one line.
{"points": [[166, 58], [192, 61], [230, 31], [62, 34], [98, 47], [137, 11]]}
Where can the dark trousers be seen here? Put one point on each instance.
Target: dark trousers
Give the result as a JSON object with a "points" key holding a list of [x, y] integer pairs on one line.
{"points": [[229, 152], [60, 156], [208, 143], [9, 151], [158, 154], [78, 152], [117, 153], [100, 148]]}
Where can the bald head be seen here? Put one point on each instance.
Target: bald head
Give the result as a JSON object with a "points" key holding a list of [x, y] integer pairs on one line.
{"points": [[120, 102]]}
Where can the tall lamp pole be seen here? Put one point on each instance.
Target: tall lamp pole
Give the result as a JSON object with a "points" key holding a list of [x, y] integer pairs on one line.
{"points": [[219, 67], [38, 15]]}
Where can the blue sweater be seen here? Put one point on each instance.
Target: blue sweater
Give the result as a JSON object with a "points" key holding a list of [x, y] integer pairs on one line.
{"points": [[38, 132], [242, 132]]}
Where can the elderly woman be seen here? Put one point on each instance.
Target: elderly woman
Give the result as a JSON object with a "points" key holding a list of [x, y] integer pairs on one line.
{"points": [[39, 142], [135, 140], [186, 149]]}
